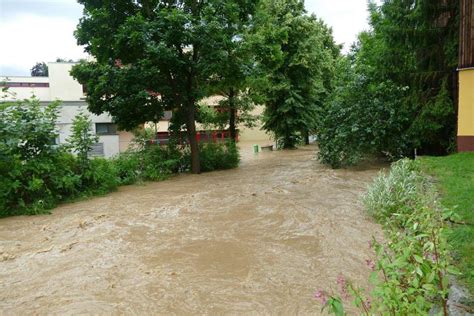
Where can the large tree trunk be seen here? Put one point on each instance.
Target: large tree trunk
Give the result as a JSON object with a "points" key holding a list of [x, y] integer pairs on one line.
{"points": [[191, 129], [232, 116]]}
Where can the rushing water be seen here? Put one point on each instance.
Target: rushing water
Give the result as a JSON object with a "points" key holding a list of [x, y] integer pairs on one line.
{"points": [[260, 239]]}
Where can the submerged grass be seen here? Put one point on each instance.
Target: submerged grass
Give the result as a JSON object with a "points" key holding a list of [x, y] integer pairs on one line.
{"points": [[455, 181]]}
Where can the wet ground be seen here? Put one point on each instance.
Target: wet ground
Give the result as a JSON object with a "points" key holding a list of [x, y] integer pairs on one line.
{"points": [[260, 239]]}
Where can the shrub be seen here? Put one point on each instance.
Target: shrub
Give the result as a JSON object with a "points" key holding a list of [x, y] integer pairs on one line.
{"points": [[129, 167], [218, 156], [363, 118], [153, 163], [27, 156], [100, 177], [36, 175], [410, 269], [399, 191], [157, 163], [160, 162], [82, 138]]}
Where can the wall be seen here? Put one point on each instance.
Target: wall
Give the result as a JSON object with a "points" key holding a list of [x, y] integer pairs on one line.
{"points": [[466, 77], [20, 93], [125, 139], [62, 85], [466, 110], [111, 145], [255, 134]]}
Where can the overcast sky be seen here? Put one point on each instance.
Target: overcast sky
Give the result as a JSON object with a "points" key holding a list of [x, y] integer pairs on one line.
{"points": [[42, 30]]}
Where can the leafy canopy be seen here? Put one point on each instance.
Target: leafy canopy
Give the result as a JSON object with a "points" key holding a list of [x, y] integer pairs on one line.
{"points": [[294, 57]]}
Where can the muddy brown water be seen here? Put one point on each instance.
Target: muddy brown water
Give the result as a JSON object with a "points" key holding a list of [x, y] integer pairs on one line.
{"points": [[260, 239]]}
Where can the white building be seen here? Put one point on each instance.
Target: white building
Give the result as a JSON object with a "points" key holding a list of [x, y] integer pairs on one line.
{"points": [[60, 85]]}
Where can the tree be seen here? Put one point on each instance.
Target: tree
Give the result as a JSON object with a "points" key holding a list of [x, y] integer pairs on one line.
{"points": [[150, 56], [292, 60], [401, 91], [416, 46], [64, 60], [234, 65], [39, 70], [82, 138]]}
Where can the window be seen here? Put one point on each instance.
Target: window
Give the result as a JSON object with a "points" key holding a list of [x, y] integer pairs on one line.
{"points": [[25, 84], [106, 129], [97, 150]]}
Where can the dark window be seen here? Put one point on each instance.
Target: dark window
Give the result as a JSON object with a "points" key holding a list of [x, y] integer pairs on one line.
{"points": [[106, 129], [25, 84], [97, 150]]}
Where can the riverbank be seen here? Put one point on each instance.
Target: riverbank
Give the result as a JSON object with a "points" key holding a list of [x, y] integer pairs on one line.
{"points": [[454, 177]]}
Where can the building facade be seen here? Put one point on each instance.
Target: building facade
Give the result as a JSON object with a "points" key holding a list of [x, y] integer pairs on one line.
{"points": [[466, 78], [60, 85]]}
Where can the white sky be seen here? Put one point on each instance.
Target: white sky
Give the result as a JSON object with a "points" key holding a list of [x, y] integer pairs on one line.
{"points": [[42, 30]]}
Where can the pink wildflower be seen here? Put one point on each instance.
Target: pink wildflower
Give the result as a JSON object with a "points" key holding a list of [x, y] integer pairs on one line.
{"points": [[371, 244], [431, 256], [321, 296], [341, 281], [368, 303], [370, 264]]}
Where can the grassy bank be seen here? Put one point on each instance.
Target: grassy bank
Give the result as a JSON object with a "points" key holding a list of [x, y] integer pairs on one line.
{"points": [[455, 181]]}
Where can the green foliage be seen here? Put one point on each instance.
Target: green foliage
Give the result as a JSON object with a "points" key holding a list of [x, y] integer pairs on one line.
{"points": [[362, 118], [294, 67], [219, 156], [99, 178], [129, 167], [411, 267], [155, 56], [414, 261], [161, 162], [40, 70], [36, 174], [396, 91], [212, 119], [82, 137], [156, 163], [398, 192], [234, 65], [455, 181], [26, 154]]}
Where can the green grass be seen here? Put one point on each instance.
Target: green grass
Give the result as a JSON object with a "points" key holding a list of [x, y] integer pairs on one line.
{"points": [[455, 181]]}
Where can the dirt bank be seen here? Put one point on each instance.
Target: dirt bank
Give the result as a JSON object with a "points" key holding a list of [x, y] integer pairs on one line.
{"points": [[258, 239]]}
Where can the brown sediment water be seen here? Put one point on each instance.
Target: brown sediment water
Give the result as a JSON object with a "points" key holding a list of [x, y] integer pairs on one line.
{"points": [[260, 239]]}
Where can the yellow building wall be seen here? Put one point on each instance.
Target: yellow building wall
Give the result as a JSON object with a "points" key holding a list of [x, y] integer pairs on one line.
{"points": [[466, 103], [256, 134]]}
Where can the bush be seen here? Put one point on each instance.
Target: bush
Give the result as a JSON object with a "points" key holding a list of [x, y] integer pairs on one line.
{"points": [[36, 174], [100, 177], [129, 167], [400, 191], [157, 163], [363, 118], [161, 162], [411, 267], [218, 156], [153, 163]]}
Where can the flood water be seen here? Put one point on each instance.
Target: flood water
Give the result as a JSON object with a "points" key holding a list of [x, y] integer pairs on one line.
{"points": [[260, 239]]}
